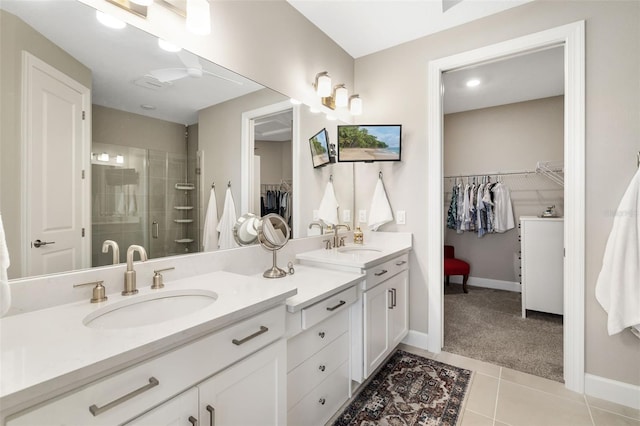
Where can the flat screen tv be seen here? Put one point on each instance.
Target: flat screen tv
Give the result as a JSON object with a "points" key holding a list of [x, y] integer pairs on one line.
{"points": [[319, 144], [368, 143]]}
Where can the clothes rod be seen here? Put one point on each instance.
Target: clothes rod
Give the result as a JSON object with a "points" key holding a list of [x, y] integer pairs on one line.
{"points": [[509, 173]]}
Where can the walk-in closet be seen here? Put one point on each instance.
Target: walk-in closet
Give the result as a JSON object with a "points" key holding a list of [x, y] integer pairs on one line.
{"points": [[503, 207]]}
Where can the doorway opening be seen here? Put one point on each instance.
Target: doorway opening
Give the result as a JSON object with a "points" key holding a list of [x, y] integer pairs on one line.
{"points": [[497, 134], [571, 37]]}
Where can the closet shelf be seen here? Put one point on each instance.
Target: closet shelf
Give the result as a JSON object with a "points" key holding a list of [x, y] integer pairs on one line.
{"points": [[183, 207], [553, 170], [183, 220]]}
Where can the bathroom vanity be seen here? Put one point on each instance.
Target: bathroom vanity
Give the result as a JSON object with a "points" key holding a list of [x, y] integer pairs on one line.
{"points": [[208, 346]]}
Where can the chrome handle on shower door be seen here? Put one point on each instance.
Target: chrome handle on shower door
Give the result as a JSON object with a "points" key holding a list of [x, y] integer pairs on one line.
{"points": [[155, 229]]}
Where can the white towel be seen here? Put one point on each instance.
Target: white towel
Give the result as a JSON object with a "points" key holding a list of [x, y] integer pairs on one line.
{"points": [[133, 203], [328, 211], [380, 210], [210, 232], [120, 203], [618, 285], [5, 290], [227, 220]]}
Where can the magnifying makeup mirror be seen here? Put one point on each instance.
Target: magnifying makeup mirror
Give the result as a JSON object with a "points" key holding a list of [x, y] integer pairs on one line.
{"points": [[273, 234]]}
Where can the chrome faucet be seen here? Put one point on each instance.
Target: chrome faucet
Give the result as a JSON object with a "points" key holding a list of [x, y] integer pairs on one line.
{"points": [[318, 224], [130, 275], [114, 248], [337, 241]]}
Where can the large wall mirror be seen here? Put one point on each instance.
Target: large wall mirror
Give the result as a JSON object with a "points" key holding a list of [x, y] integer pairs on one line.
{"points": [[161, 127]]}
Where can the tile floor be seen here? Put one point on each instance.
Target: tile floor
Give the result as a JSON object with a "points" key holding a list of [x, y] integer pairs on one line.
{"points": [[500, 396]]}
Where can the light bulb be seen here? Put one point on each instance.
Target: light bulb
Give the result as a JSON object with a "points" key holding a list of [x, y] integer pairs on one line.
{"points": [[342, 96], [355, 105], [323, 85]]}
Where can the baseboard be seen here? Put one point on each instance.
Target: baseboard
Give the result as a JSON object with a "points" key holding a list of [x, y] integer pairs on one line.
{"points": [[488, 283], [612, 390], [417, 339]]}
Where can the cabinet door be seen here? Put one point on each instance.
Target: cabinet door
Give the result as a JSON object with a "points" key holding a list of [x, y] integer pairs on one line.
{"points": [[399, 312], [179, 411], [251, 392], [376, 333]]}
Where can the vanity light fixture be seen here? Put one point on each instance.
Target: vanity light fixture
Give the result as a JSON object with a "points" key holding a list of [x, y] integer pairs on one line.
{"points": [[198, 17], [103, 157], [109, 21], [323, 84], [169, 47], [355, 105], [120, 159], [341, 96]]}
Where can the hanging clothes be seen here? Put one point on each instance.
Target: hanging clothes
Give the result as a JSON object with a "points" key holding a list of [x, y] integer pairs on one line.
{"points": [[453, 208], [504, 220]]}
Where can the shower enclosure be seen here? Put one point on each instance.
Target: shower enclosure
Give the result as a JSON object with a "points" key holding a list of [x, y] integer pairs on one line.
{"points": [[146, 197]]}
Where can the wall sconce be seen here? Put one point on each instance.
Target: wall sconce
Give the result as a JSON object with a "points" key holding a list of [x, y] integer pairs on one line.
{"points": [[355, 105], [338, 97], [196, 12], [323, 84]]}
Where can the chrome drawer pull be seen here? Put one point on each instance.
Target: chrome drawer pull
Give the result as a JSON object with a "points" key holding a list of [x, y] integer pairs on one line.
{"points": [[212, 415], [402, 262], [390, 299], [384, 271], [262, 330], [95, 410], [333, 308], [193, 421]]}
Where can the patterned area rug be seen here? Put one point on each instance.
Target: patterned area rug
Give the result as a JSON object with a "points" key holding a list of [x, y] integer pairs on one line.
{"points": [[409, 390]]}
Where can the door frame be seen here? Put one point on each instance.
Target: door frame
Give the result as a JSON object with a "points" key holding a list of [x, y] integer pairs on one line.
{"points": [[572, 38], [29, 62], [246, 155]]}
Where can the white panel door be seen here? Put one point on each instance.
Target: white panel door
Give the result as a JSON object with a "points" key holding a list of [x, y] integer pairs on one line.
{"points": [[399, 314], [377, 302], [56, 142]]}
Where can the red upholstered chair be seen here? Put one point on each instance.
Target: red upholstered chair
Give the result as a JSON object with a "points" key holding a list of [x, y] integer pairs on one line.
{"points": [[453, 266]]}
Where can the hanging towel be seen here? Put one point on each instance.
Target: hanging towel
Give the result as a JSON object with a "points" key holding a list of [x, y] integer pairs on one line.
{"points": [[380, 210], [328, 211], [210, 232], [618, 285], [133, 203], [227, 221], [121, 203], [5, 290]]}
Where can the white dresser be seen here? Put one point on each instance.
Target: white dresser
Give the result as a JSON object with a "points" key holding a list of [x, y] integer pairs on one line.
{"points": [[542, 251]]}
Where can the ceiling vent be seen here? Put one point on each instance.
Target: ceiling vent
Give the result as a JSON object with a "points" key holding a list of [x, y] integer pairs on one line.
{"points": [[152, 83]]}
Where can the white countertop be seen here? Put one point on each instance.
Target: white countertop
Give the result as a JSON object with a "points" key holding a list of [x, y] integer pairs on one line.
{"points": [[315, 284], [44, 351], [373, 254]]}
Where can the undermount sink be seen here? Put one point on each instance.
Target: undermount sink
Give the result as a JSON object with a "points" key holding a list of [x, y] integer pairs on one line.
{"points": [[150, 309], [356, 250]]}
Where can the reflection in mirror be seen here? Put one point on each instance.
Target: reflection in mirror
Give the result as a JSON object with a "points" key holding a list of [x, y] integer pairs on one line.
{"points": [[273, 234], [245, 231]]}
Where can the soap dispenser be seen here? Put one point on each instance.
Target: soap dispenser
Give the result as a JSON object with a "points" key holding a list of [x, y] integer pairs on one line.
{"points": [[358, 236]]}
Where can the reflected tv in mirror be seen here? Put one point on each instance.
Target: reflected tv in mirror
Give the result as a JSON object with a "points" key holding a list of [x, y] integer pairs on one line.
{"points": [[368, 143], [319, 144]]}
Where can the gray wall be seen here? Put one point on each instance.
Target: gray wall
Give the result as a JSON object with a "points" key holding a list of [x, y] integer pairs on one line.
{"points": [[504, 138], [16, 36], [394, 84]]}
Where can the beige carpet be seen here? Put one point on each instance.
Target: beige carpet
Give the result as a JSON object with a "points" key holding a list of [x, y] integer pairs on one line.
{"points": [[487, 325]]}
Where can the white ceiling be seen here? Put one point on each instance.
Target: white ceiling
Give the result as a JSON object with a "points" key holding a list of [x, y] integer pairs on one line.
{"points": [[121, 59], [362, 27]]}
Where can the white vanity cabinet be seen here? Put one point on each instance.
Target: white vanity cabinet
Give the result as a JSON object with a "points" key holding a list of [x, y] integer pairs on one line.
{"points": [[385, 311], [318, 359], [152, 384]]}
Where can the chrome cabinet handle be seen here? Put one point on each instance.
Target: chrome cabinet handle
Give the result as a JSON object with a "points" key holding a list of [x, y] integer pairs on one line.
{"points": [[322, 368], [322, 401], [95, 410], [390, 300], [377, 274], [393, 297], [38, 243], [156, 229], [193, 421], [402, 262], [212, 415], [321, 334], [333, 308], [262, 330]]}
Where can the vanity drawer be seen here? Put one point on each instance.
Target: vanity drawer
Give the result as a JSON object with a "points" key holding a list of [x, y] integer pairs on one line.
{"points": [[155, 381], [382, 272], [327, 307], [314, 370], [322, 402], [307, 343]]}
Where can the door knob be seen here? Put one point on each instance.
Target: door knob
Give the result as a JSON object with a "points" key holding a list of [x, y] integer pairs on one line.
{"points": [[38, 243]]}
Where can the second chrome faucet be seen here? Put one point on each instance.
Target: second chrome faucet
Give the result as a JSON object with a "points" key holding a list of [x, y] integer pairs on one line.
{"points": [[130, 274]]}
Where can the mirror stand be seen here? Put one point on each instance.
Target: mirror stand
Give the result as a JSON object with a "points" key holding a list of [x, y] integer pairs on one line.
{"points": [[274, 271]]}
